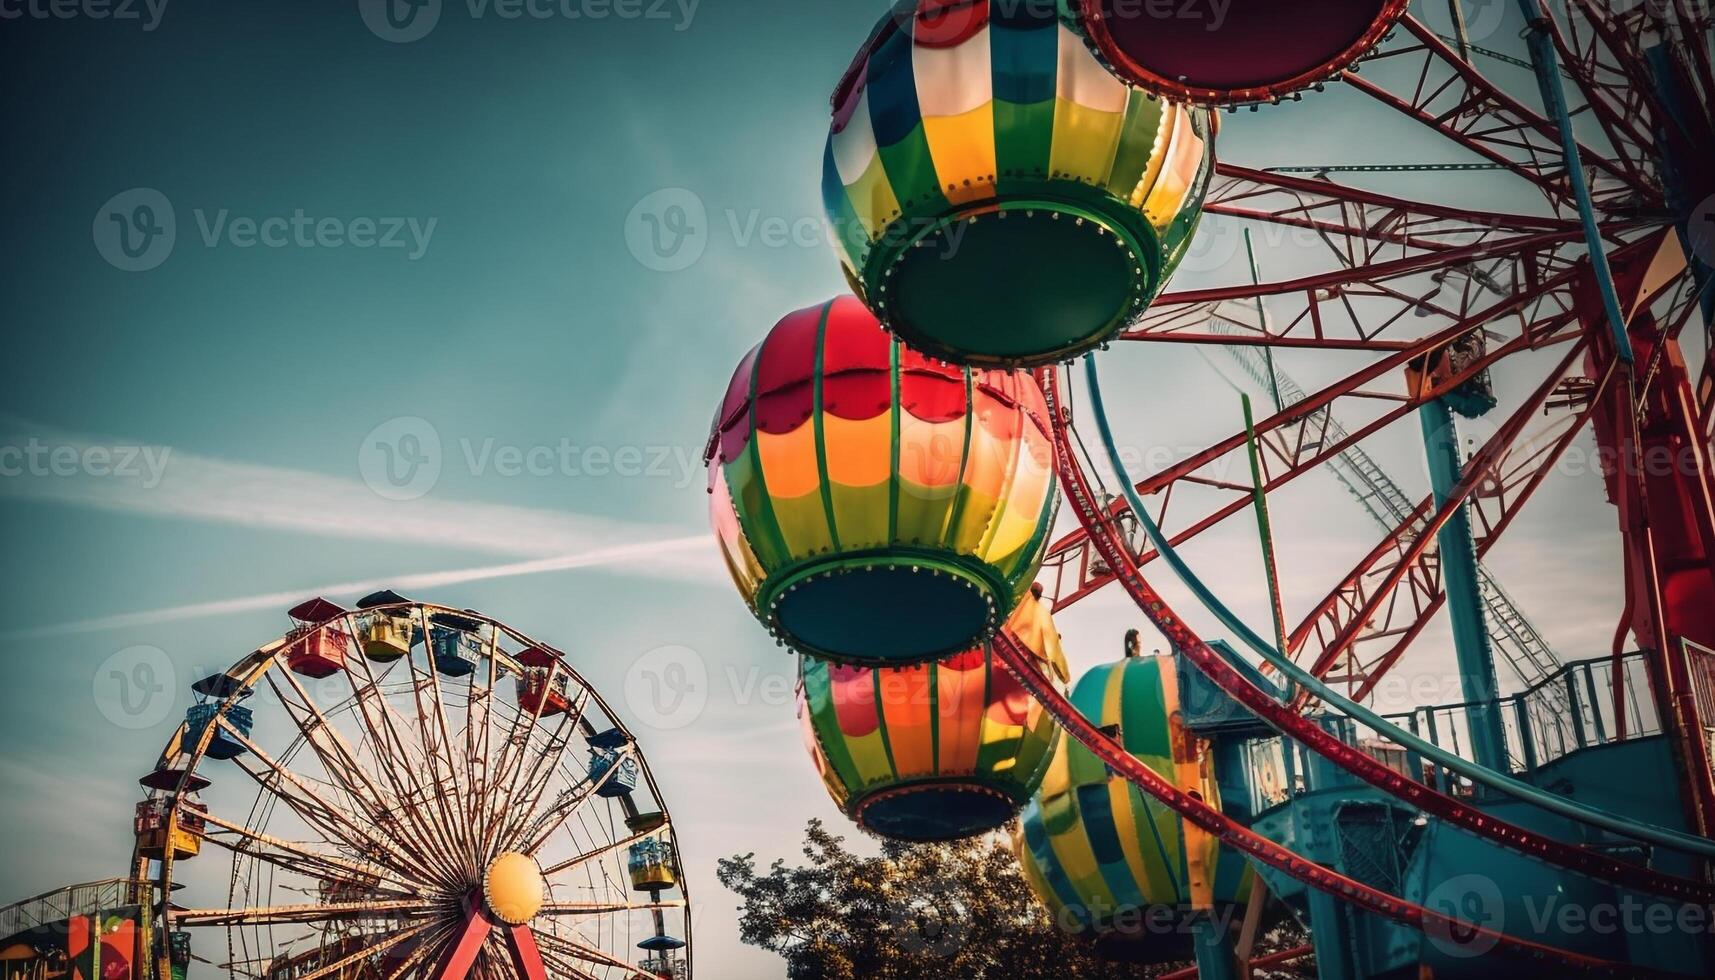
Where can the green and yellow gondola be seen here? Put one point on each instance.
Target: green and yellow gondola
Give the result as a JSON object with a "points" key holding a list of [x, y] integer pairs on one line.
{"points": [[875, 506], [1107, 860], [999, 198], [937, 751]]}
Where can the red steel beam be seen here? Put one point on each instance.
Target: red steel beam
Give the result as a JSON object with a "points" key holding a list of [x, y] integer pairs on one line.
{"points": [[1291, 723]]}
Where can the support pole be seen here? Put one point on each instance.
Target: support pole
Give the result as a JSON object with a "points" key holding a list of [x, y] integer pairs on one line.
{"points": [[1259, 500], [1214, 948], [1546, 62], [1476, 654]]}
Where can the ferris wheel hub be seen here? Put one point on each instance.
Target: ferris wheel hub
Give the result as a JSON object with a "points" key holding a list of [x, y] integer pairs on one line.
{"points": [[513, 888]]}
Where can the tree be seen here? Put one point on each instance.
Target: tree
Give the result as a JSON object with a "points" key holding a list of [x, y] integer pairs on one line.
{"points": [[916, 912]]}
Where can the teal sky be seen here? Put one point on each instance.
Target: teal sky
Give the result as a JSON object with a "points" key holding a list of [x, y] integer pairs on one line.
{"points": [[528, 312]]}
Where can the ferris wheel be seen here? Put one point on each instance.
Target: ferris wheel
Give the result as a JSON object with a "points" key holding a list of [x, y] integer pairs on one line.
{"points": [[406, 790], [1409, 298]]}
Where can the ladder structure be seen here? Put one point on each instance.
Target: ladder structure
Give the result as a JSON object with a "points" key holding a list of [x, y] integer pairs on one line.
{"points": [[1531, 658]]}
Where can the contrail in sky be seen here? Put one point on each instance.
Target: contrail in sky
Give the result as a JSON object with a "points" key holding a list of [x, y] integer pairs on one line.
{"points": [[423, 580]]}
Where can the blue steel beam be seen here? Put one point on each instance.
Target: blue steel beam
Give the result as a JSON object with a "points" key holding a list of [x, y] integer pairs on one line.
{"points": [[1459, 578], [1546, 62]]}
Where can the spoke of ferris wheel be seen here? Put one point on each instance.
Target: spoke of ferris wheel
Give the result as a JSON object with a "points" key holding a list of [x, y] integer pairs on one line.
{"points": [[351, 767], [518, 811], [480, 788], [601, 851], [432, 789], [427, 803], [395, 761], [518, 737], [537, 783], [341, 766], [517, 747], [301, 914], [431, 946], [524, 806], [457, 830], [288, 854], [566, 805], [355, 833], [588, 954], [553, 949], [565, 965], [608, 908], [1529, 655], [382, 945], [1332, 614]]}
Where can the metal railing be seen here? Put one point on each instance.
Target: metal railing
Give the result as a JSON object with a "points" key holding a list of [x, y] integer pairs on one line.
{"points": [[1574, 708], [63, 903]]}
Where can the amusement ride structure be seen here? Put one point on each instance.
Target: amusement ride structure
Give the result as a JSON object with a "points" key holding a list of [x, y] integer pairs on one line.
{"points": [[407, 790], [418, 792], [1013, 186]]}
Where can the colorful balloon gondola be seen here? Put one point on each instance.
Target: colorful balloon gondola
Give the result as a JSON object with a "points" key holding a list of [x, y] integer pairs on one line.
{"points": [[1107, 860], [876, 506], [936, 751], [999, 197]]}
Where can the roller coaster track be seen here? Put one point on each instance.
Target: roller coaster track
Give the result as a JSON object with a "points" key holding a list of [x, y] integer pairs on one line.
{"points": [[1109, 541], [1246, 841]]}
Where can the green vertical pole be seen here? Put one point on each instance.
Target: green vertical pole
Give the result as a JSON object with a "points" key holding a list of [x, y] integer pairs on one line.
{"points": [[1262, 324], [1475, 651], [1259, 500]]}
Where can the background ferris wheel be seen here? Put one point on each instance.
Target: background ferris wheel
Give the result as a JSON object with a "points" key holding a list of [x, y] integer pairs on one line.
{"points": [[405, 790]]}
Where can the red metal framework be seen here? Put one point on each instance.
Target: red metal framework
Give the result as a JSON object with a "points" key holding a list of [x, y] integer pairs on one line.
{"points": [[1439, 297], [1457, 100], [1110, 542]]}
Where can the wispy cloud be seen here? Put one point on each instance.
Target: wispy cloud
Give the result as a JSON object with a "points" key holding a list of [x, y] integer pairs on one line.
{"points": [[204, 488], [167, 483], [600, 557]]}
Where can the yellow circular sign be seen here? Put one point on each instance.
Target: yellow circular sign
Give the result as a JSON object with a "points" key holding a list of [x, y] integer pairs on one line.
{"points": [[513, 888]]}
